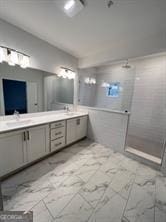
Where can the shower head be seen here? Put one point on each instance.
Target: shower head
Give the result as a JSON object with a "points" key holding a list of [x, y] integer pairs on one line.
{"points": [[126, 65]]}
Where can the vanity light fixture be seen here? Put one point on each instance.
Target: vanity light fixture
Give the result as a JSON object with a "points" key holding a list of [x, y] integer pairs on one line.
{"points": [[13, 57], [90, 81], [2, 54], [66, 73]]}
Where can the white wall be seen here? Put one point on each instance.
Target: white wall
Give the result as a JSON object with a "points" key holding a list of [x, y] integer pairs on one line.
{"points": [[28, 75], [43, 55]]}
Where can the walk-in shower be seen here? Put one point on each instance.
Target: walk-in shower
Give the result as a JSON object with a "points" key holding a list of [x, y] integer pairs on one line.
{"points": [[146, 130]]}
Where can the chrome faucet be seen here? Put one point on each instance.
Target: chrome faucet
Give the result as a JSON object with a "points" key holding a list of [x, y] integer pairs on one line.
{"points": [[67, 108], [16, 115]]}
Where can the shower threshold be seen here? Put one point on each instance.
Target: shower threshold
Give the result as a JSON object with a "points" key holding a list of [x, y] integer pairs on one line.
{"points": [[143, 155]]}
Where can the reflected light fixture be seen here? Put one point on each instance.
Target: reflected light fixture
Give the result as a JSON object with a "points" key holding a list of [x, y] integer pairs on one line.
{"points": [[66, 73], [14, 57], [90, 81], [105, 84]]}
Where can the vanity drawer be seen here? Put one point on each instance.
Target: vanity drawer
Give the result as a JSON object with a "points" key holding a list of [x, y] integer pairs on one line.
{"points": [[57, 124], [57, 133], [57, 144]]}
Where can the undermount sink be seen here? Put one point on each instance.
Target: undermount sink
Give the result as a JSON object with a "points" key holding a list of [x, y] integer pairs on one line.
{"points": [[69, 114], [18, 122]]}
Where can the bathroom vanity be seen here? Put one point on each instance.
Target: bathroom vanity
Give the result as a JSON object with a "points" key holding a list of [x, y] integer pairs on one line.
{"points": [[27, 140]]}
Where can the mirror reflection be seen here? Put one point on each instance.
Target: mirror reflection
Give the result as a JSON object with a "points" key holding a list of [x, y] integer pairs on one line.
{"points": [[30, 90], [110, 87]]}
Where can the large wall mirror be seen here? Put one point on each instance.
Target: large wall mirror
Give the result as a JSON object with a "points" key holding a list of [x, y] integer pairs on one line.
{"points": [[30, 90]]}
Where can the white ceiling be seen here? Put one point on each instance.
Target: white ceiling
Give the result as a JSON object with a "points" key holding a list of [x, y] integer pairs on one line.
{"points": [[95, 30]]}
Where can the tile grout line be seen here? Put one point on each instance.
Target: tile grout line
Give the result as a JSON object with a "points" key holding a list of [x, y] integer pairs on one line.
{"points": [[48, 209], [128, 197]]}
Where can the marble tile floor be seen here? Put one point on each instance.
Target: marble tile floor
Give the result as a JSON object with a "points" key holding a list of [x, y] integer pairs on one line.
{"points": [[88, 182]]}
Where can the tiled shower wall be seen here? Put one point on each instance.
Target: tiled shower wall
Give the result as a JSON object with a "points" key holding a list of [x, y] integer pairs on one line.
{"points": [[146, 94], [111, 74], [147, 127]]}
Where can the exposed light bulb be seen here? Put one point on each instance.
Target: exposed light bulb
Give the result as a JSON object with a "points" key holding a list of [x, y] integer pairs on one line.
{"points": [[13, 58], [2, 55], [24, 61], [90, 81]]}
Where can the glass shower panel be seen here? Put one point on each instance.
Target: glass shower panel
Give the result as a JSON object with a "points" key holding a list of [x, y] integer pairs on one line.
{"points": [[146, 131]]}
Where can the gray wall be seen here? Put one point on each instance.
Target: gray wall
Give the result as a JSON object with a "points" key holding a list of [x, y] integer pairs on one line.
{"points": [[43, 55], [28, 75]]}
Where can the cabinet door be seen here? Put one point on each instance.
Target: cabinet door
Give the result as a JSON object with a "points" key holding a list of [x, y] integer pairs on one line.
{"points": [[37, 142], [12, 147], [81, 127], [71, 131]]}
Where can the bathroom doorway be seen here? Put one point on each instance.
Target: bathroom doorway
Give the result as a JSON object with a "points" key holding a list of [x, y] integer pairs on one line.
{"points": [[15, 96], [19, 95]]}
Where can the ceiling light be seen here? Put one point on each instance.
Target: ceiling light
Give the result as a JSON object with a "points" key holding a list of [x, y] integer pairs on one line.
{"points": [[69, 4], [70, 7]]}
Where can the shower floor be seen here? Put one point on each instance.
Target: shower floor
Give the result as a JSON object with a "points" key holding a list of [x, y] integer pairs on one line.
{"points": [[150, 147], [143, 155]]}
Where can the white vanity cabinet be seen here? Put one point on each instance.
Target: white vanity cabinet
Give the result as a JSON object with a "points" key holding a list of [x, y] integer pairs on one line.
{"points": [[76, 129], [21, 147], [12, 147], [57, 135], [37, 142]]}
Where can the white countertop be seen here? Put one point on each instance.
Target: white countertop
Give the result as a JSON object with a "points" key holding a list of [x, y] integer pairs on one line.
{"points": [[25, 122]]}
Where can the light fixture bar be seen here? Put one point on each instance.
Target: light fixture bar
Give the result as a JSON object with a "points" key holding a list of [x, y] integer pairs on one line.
{"points": [[14, 57], [10, 49], [67, 69]]}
